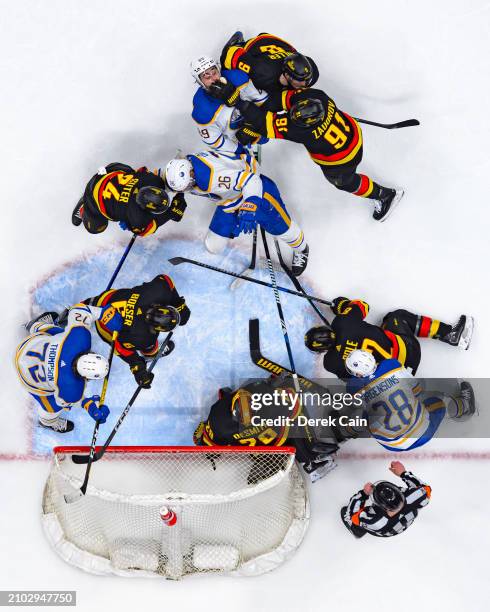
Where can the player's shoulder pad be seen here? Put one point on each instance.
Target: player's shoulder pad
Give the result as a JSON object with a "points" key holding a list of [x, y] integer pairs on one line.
{"points": [[236, 77], [205, 107], [70, 386], [203, 169]]}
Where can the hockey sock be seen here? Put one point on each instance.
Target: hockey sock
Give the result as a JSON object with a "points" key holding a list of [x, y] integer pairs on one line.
{"points": [[426, 327], [455, 406], [367, 188], [294, 237]]}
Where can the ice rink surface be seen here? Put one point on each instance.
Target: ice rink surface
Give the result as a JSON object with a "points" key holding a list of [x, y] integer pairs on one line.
{"points": [[88, 83]]}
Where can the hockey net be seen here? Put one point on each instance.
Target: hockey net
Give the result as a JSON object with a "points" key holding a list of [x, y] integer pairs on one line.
{"points": [[239, 511]]}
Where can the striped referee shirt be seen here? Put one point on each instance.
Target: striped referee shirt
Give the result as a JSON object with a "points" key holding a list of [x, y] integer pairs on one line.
{"points": [[374, 519]]}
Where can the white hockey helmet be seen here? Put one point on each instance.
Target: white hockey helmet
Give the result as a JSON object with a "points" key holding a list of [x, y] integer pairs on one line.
{"points": [[92, 366], [360, 363], [200, 65], [179, 174]]}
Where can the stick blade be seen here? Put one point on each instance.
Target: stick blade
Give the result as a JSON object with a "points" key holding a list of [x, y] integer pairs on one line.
{"points": [[175, 261], [407, 123], [84, 459]]}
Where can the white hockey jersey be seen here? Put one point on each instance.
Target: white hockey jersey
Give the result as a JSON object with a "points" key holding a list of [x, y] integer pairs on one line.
{"points": [[398, 417], [227, 180], [217, 123], [44, 360]]}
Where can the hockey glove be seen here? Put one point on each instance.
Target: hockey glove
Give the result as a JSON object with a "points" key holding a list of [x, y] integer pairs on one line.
{"points": [[225, 91], [142, 376], [123, 225], [96, 411], [111, 319], [248, 136], [184, 312], [246, 219], [177, 207], [339, 305]]}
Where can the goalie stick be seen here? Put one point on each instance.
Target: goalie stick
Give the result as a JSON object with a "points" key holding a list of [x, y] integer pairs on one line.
{"points": [[391, 126], [79, 459], [175, 261], [297, 284]]}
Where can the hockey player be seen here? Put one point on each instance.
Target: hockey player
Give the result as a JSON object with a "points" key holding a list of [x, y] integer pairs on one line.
{"points": [[243, 198], [236, 419], [146, 310], [135, 198], [272, 64], [332, 138], [401, 416], [395, 338], [216, 122], [384, 509], [55, 362]]}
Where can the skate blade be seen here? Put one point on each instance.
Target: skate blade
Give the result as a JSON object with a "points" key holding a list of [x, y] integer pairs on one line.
{"points": [[465, 340], [396, 200]]}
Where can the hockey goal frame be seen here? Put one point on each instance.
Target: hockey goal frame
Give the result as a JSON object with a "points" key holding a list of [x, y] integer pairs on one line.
{"points": [[289, 476]]}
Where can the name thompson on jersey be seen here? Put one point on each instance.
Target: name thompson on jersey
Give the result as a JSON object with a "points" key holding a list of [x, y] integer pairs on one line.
{"points": [[55, 362]]}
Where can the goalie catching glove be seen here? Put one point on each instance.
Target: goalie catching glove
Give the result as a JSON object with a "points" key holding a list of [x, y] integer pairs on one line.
{"points": [[96, 411]]}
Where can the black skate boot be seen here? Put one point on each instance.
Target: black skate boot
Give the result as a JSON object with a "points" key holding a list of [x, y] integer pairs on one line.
{"points": [[461, 333], [235, 40], [465, 404], [320, 467], [387, 202], [300, 261], [59, 425], [76, 215], [51, 318]]}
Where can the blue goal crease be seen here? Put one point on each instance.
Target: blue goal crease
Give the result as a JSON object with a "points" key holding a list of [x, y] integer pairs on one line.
{"points": [[212, 350]]}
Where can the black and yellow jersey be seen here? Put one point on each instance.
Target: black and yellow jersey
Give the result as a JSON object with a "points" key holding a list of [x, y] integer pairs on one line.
{"points": [[113, 196], [352, 332], [335, 142]]}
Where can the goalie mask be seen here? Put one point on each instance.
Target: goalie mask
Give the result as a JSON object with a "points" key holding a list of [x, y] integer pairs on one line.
{"points": [[162, 318], [153, 199], [91, 366]]}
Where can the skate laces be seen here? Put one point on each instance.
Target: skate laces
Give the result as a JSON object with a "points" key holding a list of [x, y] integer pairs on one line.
{"points": [[299, 258]]}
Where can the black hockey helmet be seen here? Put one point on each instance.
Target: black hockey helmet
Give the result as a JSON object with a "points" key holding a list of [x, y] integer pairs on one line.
{"points": [[298, 67], [319, 339], [307, 112], [153, 199], [388, 496], [162, 318]]}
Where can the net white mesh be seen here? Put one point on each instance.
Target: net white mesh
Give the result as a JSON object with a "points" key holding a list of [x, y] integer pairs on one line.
{"points": [[239, 512]]}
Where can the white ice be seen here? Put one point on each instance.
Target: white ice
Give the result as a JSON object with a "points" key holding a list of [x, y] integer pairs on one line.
{"points": [[85, 83]]}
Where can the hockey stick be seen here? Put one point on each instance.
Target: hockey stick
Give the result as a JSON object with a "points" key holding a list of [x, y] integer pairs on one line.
{"points": [[79, 459], [175, 261], [121, 261], [251, 266], [69, 499], [297, 284], [279, 309], [391, 126]]}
